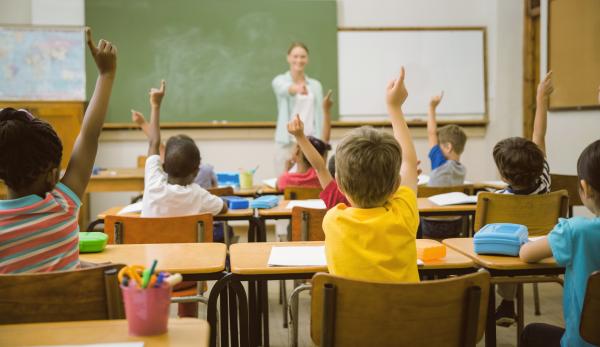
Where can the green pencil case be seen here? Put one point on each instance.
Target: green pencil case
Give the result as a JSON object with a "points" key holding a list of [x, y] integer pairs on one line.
{"points": [[91, 242]]}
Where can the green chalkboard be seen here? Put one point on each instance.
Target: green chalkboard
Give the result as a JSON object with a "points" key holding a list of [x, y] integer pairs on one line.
{"points": [[218, 56]]}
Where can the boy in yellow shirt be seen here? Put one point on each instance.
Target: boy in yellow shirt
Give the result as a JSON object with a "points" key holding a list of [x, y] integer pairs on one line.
{"points": [[374, 240]]}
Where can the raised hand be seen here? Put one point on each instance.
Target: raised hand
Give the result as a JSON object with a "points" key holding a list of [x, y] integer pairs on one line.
{"points": [[296, 127], [137, 117], [436, 99], [328, 100], [105, 54], [545, 87], [156, 95], [396, 91]]}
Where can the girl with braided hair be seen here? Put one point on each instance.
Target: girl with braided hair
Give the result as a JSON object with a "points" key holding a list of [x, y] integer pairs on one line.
{"points": [[38, 222]]}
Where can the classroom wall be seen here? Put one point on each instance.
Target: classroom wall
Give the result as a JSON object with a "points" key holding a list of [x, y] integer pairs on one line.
{"points": [[233, 149]]}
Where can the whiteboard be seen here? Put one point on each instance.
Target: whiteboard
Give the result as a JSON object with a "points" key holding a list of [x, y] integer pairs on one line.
{"points": [[435, 60]]}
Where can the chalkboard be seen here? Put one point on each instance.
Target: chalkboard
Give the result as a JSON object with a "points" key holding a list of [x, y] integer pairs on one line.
{"points": [[218, 56], [436, 59]]}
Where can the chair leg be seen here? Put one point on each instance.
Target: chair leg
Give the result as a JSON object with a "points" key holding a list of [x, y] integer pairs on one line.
{"points": [[293, 311], [536, 299], [283, 302], [520, 313]]}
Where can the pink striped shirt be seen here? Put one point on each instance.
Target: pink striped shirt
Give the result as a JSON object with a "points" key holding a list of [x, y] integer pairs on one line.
{"points": [[40, 235]]}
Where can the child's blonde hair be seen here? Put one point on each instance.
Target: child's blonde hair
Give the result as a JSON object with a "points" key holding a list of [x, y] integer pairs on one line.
{"points": [[454, 135], [367, 165]]}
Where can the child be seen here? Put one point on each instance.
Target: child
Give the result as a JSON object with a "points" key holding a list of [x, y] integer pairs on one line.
{"points": [[206, 175], [575, 244], [522, 164], [305, 175], [446, 145], [331, 195], [38, 222], [375, 239], [169, 189]]}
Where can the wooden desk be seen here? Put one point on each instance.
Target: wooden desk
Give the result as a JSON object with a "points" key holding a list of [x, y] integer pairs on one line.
{"points": [[182, 332], [192, 260], [505, 269], [256, 191], [249, 262]]}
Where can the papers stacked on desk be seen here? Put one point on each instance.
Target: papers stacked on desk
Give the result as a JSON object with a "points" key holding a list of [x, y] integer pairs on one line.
{"points": [[454, 198], [133, 208], [270, 182], [301, 256], [310, 203]]}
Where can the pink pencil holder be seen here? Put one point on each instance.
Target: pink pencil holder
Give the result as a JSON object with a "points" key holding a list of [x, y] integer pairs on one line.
{"points": [[147, 310]]}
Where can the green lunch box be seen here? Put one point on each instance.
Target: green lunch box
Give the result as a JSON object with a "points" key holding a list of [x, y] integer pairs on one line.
{"points": [[90, 242]]}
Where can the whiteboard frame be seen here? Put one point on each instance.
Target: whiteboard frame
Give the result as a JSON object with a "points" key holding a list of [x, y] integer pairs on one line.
{"points": [[482, 29]]}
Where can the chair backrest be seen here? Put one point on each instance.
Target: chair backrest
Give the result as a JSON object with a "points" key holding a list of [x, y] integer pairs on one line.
{"points": [[539, 213], [424, 191], [448, 312], [589, 328], [82, 294], [301, 193], [141, 161], [570, 183], [307, 224], [181, 229], [221, 191]]}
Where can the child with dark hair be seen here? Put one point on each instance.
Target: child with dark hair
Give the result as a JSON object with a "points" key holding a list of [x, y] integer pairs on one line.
{"points": [[38, 222], [305, 175], [169, 188], [575, 244], [522, 164], [206, 177]]}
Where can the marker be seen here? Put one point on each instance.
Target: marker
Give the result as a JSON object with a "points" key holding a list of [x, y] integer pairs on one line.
{"points": [[173, 279], [159, 279], [148, 273]]}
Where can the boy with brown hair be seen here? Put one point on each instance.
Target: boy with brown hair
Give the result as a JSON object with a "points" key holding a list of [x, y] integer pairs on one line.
{"points": [[446, 146], [522, 164], [377, 172]]}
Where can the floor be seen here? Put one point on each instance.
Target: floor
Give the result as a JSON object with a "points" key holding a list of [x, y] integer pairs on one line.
{"points": [[551, 307]]}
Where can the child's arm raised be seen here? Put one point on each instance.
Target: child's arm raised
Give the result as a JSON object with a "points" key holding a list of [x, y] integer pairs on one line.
{"points": [[545, 88], [431, 122], [156, 96], [79, 169], [327, 103], [138, 118], [296, 128], [395, 97], [535, 251]]}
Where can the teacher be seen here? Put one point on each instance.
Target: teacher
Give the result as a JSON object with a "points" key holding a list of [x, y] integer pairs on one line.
{"points": [[296, 93]]}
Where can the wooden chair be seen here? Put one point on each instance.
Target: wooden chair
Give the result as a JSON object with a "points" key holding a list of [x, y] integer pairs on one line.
{"points": [[425, 191], [539, 213], [448, 312], [301, 193], [570, 183], [221, 191], [182, 229], [82, 294], [589, 328], [307, 225]]}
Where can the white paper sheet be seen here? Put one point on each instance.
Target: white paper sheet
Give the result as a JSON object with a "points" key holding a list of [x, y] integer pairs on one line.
{"points": [[310, 203], [302, 256], [270, 182], [297, 256], [454, 198], [423, 179], [133, 208]]}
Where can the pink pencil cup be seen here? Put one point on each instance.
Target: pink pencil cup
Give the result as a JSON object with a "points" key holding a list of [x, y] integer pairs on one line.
{"points": [[147, 310]]}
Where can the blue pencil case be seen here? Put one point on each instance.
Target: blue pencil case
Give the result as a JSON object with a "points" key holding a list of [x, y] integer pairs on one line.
{"points": [[228, 179], [235, 202], [500, 238], [265, 201]]}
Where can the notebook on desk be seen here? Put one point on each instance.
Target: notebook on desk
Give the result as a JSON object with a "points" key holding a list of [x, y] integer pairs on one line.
{"points": [[301, 256], [454, 198]]}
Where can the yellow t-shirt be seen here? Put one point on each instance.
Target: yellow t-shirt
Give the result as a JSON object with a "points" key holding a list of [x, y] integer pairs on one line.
{"points": [[374, 244]]}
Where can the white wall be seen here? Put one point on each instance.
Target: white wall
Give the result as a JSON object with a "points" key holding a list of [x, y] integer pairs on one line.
{"points": [[502, 18]]}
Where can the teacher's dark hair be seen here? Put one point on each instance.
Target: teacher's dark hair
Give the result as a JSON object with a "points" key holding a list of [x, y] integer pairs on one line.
{"points": [[297, 44]]}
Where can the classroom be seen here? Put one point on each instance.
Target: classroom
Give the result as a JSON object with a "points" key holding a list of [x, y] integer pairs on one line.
{"points": [[299, 173]]}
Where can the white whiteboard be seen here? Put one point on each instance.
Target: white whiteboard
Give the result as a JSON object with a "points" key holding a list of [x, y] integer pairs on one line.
{"points": [[435, 60]]}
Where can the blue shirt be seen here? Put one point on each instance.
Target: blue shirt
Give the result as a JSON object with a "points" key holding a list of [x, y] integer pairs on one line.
{"points": [[437, 157], [575, 244]]}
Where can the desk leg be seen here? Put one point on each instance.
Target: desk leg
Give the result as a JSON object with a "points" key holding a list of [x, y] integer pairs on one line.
{"points": [[520, 313], [490, 328], [218, 290], [224, 313], [241, 308], [233, 316], [265, 311], [252, 308]]}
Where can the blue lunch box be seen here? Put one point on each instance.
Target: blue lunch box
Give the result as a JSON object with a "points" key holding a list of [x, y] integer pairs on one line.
{"points": [[235, 202], [500, 238]]}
